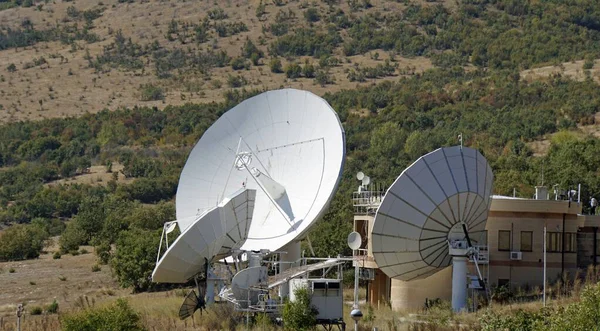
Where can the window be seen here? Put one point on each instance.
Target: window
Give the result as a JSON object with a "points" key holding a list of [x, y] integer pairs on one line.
{"points": [[553, 242], [503, 240], [570, 242], [526, 241]]}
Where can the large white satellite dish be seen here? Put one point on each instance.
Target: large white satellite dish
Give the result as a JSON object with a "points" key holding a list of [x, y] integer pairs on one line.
{"points": [[442, 197], [288, 145]]}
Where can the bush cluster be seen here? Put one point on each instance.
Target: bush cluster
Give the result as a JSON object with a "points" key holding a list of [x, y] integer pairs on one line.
{"points": [[118, 316]]}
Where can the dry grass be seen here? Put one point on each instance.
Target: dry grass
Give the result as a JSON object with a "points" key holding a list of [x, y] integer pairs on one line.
{"points": [[573, 70], [84, 91], [46, 273], [96, 175]]}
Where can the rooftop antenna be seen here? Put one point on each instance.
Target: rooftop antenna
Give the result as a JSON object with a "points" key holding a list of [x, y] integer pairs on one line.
{"points": [[354, 242], [443, 200], [360, 176]]}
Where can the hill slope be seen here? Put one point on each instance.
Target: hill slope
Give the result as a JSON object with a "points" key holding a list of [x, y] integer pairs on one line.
{"points": [[65, 84]]}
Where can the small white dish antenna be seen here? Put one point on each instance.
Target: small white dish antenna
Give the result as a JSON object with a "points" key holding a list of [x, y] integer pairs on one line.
{"points": [[354, 240], [360, 175], [171, 227], [366, 181]]}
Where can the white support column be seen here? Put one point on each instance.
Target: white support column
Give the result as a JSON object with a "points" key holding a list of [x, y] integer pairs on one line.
{"points": [[459, 283], [210, 286], [293, 255]]}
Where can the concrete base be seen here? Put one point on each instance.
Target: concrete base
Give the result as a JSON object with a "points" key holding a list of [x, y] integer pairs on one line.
{"points": [[411, 296]]}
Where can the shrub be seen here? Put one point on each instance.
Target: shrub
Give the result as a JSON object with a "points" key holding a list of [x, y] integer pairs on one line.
{"points": [[250, 51], [239, 63], [299, 314], [312, 15], [52, 308], [11, 270], [62, 278], [217, 14], [11, 67], [118, 316], [103, 252], [83, 251], [308, 70], [56, 255], [96, 268], [151, 92], [32, 283], [293, 70], [236, 81], [275, 66], [263, 321], [323, 78], [35, 310]]}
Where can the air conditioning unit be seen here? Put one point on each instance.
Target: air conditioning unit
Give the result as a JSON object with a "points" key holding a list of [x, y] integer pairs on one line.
{"points": [[516, 256], [366, 274]]}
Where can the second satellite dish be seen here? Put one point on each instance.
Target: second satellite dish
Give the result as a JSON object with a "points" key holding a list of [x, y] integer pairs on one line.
{"points": [[442, 197], [288, 145]]}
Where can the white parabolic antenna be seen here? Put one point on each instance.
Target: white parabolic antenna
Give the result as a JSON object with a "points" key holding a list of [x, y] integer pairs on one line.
{"points": [[354, 240], [288, 145], [427, 206]]}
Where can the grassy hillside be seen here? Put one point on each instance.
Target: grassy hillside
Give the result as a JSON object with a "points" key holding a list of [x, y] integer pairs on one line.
{"points": [[171, 53], [516, 78]]}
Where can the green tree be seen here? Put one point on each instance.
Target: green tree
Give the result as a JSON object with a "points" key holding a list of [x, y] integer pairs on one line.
{"points": [[135, 258], [21, 242], [72, 238]]}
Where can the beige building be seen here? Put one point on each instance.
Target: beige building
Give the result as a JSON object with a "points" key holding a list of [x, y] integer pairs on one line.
{"points": [[511, 249]]}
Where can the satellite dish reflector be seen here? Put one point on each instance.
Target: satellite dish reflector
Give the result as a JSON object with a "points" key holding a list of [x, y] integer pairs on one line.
{"points": [[191, 303], [170, 226], [288, 145], [354, 240], [205, 238], [426, 206], [366, 181], [237, 213], [360, 175]]}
